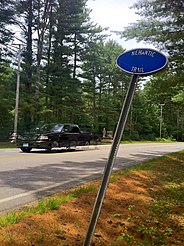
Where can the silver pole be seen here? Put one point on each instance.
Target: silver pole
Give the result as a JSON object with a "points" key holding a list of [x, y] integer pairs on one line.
{"points": [[110, 162], [17, 96], [161, 119]]}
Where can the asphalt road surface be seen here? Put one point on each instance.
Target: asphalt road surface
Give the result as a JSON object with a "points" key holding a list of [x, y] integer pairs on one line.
{"points": [[27, 177]]}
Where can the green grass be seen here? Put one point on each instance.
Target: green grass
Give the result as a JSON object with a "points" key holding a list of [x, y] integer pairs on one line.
{"points": [[11, 218], [168, 201], [158, 140], [7, 144], [43, 206]]}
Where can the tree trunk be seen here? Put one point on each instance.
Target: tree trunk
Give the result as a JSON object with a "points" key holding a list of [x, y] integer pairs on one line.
{"points": [[28, 68], [42, 23]]}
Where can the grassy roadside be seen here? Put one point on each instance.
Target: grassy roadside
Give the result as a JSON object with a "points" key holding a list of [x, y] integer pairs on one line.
{"points": [[144, 206], [7, 144]]}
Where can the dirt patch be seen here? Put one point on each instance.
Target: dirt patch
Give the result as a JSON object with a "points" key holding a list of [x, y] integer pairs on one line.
{"points": [[141, 207]]}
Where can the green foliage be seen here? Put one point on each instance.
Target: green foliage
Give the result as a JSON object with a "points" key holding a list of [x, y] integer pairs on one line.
{"points": [[179, 98], [103, 82], [130, 207], [11, 218], [7, 99], [81, 190], [118, 215], [6, 18], [161, 24], [126, 237]]}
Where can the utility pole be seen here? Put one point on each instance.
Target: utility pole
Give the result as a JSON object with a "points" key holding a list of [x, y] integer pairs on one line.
{"points": [[161, 118], [14, 135]]}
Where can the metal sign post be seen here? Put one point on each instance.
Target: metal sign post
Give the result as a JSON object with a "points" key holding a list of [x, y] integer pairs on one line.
{"points": [[14, 135], [137, 62], [111, 159]]}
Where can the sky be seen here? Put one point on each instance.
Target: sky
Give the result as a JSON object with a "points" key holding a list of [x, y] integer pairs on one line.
{"points": [[115, 14]]}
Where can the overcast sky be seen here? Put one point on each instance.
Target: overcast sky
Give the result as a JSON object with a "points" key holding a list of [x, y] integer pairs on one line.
{"points": [[115, 14]]}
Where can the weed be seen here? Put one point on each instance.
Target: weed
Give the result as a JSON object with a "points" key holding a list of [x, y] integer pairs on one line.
{"points": [[118, 215], [130, 207], [11, 218], [162, 208], [52, 204], [154, 207], [168, 232], [40, 208], [125, 237], [77, 192], [116, 176], [149, 231]]}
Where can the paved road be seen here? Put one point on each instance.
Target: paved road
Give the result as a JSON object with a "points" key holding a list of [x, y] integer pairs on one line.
{"points": [[26, 177]]}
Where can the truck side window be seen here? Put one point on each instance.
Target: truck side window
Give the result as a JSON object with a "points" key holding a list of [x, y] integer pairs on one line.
{"points": [[67, 128], [75, 129]]}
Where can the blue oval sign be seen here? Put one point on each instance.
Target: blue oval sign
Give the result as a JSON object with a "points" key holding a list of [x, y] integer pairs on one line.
{"points": [[142, 61]]}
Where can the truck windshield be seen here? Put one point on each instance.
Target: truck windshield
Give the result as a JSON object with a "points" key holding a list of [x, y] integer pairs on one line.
{"points": [[51, 128]]}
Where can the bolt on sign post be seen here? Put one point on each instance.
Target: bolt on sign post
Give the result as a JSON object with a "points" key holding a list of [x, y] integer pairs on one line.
{"points": [[138, 62]]}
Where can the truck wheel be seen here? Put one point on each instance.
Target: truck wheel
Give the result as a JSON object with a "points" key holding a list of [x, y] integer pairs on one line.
{"points": [[87, 143], [72, 145], [49, 148], [52, 145], [26, 150]]}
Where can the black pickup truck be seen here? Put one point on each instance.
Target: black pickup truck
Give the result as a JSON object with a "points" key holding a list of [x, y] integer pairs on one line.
{"points": [[58, 135]]}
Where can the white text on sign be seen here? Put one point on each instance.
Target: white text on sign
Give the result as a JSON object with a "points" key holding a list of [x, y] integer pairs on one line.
{"points": [[137, 69], [143, 52]]}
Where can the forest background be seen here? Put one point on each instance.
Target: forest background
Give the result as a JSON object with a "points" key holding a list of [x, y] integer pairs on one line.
{"points": [[68, 72]]}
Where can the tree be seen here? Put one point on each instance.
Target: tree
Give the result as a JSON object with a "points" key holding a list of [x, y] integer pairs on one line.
{"points": [[161, 24], [104, 83], [7, 14], [6, 18], [69, 36], [163, 89], [7, 76]]}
